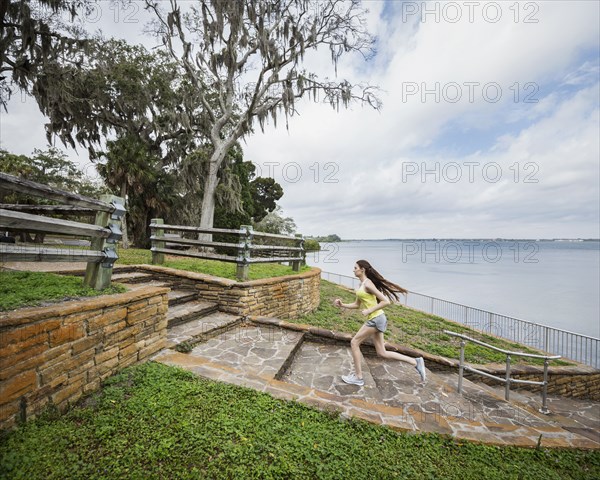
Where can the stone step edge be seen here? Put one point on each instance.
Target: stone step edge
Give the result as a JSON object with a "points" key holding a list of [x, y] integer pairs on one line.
{"points": [[492, 368], [287, 363], [179, 296], [202, 311], [130, 277], [370, 412], [194, 340]]}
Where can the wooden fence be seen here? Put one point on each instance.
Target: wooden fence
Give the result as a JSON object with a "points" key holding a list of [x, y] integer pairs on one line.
{"points": [[251, 247], [104, 233]]}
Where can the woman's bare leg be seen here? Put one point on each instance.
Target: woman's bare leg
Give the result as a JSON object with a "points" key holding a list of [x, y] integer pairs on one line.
{"points": [[382, 352], [363, 334]]}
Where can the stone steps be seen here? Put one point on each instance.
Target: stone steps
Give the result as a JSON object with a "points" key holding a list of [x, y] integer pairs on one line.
{"points": [[200, 328], [190, 320], [320, 366], [289, 363], [180, 297], [191, 309], [176, 296], [131, 277]]}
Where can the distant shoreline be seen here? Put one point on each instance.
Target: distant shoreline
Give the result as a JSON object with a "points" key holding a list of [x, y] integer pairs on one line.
{"points": [[468, 240]]}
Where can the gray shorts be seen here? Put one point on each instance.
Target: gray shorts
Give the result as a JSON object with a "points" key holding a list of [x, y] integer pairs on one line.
{"points": [[379, 322]]}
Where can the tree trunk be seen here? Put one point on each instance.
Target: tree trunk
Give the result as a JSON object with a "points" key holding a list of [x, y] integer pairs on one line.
{"points": [[125, 238], [207, 214]]}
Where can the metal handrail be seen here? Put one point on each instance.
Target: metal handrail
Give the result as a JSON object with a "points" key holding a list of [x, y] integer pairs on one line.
{"points": [[571, 345], [507, 379], [501, 350]]}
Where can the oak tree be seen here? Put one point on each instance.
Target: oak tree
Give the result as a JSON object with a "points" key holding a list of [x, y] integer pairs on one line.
{"points": [[245, 60]]}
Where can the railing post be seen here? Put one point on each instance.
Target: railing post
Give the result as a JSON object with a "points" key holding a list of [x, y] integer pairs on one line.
{"points": [[157, 257], [544, 408], [301, 255], [507, 377], [461, 365], [244, 252], [97, 275]]}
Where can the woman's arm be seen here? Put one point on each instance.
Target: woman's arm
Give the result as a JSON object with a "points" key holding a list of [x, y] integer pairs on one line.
{"points": [[338, 303]]}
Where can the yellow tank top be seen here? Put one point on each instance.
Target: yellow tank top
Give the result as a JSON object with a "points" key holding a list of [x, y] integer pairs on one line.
{"points": [[367, 300]]}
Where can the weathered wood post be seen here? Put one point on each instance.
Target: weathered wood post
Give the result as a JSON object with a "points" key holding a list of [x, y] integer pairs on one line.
{"points": [[157, 257], [97, 275], [301, 255], [243, 259]]}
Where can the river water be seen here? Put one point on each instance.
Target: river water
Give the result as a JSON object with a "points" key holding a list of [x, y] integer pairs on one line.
{"points": [[555, 283]]}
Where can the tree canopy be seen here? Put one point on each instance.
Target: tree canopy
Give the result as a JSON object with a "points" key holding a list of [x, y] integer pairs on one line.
{"points": [[275, 222], [244, 60], [30, 35], [226, 68]]}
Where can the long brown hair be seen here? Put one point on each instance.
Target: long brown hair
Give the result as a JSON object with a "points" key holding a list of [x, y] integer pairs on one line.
{"points": [[388, 288]]}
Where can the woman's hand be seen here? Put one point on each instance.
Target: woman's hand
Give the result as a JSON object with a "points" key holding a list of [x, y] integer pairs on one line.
{"points": [[337, 302], [365, 312]]}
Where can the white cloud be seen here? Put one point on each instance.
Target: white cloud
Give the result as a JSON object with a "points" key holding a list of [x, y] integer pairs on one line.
{"points": [[343, 172], [372, 147]]}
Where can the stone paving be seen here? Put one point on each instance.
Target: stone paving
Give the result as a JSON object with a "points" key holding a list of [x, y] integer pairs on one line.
{"points": [[260, 349], [291, 365]]}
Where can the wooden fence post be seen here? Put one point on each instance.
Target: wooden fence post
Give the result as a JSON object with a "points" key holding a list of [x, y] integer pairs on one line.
{"points": [[244, 252], [97, 275], [158, 258], [301, 259]]}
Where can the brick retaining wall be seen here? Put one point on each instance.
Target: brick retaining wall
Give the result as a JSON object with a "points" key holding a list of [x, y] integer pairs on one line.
{"points": [[56, 354], [284, 297]]}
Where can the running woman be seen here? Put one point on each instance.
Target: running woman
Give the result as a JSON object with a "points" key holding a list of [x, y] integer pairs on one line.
{"points": [[373, 294]]}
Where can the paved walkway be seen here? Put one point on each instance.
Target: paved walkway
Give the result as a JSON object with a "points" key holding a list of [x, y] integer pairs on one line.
{"points": [[292, 365]]}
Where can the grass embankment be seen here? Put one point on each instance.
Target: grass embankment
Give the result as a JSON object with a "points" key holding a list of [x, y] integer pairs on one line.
{"points": [[136, 256], [414, 329], [154, 421], [20, 289], [29, 289]]}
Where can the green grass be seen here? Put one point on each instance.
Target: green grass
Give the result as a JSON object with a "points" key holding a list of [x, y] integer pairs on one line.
{"points": [[415, 329], [152, 421], [20, 289], [136, 256]]}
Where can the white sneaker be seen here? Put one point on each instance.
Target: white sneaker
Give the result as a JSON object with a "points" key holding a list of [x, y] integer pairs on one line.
{"points": [[420, 367], [352, 379]]}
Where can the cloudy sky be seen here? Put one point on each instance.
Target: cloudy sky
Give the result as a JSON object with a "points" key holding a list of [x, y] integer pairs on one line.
{"points": [[489, 126]]}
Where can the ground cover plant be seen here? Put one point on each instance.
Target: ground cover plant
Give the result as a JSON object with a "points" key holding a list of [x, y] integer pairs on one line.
{"points": [[413, 328], [154, 421], [27, 289]]}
